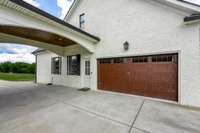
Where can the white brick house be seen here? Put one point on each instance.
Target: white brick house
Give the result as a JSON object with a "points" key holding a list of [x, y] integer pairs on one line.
{"points": [[161, 58]]}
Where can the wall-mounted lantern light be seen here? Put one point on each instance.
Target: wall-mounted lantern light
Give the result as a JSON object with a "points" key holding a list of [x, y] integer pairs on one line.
{"points": [[126, 46]]}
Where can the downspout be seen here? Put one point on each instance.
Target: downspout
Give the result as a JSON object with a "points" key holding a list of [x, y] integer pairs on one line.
{"points": [[36, 69]]}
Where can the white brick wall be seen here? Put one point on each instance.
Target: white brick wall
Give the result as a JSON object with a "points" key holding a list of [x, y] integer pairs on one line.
{"points": [[151, 28], [44, 68]]}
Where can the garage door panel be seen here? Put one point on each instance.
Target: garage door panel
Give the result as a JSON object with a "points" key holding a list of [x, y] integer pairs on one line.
{"points": [[139, 78], [112, 77], [119, 77], [146, 76], [163, 81], [102, 76]]}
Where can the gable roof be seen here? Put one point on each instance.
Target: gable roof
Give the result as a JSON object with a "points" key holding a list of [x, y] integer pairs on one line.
{"points": [[53, 18], [73, 6], [181, 5], [178, 4]]}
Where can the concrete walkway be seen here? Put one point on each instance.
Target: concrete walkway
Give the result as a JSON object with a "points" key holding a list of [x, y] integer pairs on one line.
{"points": [[30, 108]]}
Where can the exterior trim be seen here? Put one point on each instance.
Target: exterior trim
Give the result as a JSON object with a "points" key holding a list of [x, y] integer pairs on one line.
{"points": [[37, 51], [193, 17], [70, 9], [139, 54], [150, 54], [51, 17], [183, 1], [36, 56]]}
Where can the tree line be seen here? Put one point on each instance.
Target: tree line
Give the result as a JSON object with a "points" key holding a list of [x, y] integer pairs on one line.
{"points": [[17, 67]]}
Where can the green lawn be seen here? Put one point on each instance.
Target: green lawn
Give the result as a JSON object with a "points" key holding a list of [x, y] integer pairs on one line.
{"points": [[17, 77]]}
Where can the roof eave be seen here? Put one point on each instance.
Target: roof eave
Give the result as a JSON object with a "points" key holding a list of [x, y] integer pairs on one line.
{"points": [[70, 10], [184, 5], [38, 51], [180, 5]]}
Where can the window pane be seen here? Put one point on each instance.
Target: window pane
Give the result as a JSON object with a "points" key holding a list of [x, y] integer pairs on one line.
{"points": [[82, 20], [73, 65], [87, 67], [140, 59], [56, 65], [118, 60], [105, 61], [163, 58]]}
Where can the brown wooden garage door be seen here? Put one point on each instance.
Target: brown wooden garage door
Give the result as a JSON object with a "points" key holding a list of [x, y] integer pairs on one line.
{"points": [[153, 76]]}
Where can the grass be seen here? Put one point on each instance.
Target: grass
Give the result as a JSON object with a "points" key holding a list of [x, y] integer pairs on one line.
{"points": [[17, 77]]}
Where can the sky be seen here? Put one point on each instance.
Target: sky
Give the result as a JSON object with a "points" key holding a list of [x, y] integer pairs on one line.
{"points": [[194, 1], [15, 52], [58, 8]]}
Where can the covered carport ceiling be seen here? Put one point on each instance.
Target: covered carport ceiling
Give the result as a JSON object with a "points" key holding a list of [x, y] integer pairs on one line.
{"points": [[21, 20], [37, 35]]}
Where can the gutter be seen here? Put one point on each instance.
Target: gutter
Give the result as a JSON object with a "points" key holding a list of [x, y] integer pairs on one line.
{"points": [[36, 56], [37, 51], [194, 18]]}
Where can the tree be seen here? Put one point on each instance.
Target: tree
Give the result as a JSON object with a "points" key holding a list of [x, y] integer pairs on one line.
{"points": [[6, 67], [17, 67]]}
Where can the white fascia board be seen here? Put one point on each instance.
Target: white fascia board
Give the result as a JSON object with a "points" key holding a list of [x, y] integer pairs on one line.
{"points": [[72, 8], [181, 6], [173, 3]]}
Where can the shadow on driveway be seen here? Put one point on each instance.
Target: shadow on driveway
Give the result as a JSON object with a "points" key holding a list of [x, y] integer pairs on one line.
{"points": [[27, 107]]}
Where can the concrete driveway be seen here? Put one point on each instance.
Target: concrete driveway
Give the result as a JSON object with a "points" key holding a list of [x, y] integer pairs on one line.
{"points": [[30, 108]]}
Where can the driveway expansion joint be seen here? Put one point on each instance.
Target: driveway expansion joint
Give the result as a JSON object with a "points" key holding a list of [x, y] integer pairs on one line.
{"points": [[136, 116], [97, 114], [141, 130]]}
